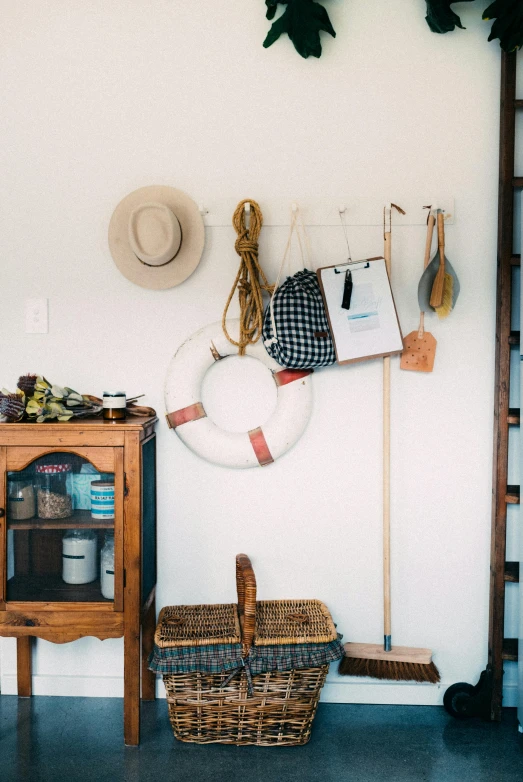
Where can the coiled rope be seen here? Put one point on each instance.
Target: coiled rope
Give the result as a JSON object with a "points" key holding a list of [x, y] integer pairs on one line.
{"points": [[250, 280]]}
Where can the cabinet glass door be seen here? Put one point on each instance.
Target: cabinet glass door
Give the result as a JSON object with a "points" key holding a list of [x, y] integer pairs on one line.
{"points": [[60, 530]]}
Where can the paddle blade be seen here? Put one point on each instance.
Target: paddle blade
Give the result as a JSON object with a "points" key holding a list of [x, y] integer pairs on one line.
{"points": [[418, 352]]}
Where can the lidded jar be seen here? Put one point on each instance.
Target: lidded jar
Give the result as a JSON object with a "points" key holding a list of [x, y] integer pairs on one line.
{"points": [[79, 549], [114, 405], [107, 567], [53, 494], [20, 498]]}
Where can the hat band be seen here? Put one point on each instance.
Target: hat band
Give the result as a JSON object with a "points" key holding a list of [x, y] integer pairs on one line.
{"points": [[159, 265]]}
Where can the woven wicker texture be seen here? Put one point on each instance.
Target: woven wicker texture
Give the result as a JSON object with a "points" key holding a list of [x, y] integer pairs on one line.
{"points": [[282, 706], [280, 712], [199, 625], [293, 622]]}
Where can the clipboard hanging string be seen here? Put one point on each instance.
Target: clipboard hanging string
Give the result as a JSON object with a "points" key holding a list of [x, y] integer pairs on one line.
{"points": [[341, 212]]}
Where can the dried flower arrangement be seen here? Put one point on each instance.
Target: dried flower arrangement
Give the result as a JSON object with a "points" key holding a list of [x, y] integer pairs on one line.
{"points": [[38, 400], [35, 399]]}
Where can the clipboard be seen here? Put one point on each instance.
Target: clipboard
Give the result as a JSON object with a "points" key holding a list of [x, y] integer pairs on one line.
{"points": [[370, 327]]}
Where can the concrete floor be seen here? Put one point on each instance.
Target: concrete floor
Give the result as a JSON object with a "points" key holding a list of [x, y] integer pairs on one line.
{"points": [[70, 739]]}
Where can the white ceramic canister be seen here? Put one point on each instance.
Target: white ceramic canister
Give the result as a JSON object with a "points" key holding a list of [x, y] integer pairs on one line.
{"points": [[79, 550], [107, 568], [102, 500]]}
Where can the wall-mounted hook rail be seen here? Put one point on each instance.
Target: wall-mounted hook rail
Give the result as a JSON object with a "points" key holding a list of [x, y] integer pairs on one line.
{"points": [[356, 211]]}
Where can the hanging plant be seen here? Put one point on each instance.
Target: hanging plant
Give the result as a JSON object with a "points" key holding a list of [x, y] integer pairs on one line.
{"points": [[302, 20], [508, 26], [440, 16]]}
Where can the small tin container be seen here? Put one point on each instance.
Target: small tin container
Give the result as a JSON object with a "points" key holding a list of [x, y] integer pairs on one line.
{"points": [[114, 404], [102, 500]]}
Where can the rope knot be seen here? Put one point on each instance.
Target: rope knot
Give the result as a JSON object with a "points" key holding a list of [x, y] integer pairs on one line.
{"points": [[245, 245]]}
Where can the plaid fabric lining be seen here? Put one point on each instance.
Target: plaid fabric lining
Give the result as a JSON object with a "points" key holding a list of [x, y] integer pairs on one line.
{"points": [[218, 658], [299, 314]]}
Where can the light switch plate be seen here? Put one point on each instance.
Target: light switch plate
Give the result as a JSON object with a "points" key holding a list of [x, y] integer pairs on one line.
{"points": [[36, 316]]}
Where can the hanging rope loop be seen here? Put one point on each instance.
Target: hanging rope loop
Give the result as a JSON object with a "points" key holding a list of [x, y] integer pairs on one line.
{"points": [[250, 280]]}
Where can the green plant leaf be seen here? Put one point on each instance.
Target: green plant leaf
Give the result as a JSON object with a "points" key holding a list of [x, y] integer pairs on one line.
{"points": [[74, 395], [33, 407], [42, 384], [302, 20], [508, 26], [440, 16], [271, 7]]}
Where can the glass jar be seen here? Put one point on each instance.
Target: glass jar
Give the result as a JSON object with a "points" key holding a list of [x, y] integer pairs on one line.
{"points": [[79, 548], [20, 499], [54, 500], [107, 567], [114, 405]]}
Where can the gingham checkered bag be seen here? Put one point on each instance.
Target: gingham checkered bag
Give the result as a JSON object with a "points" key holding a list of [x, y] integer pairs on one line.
{"points": [[296, 331]]}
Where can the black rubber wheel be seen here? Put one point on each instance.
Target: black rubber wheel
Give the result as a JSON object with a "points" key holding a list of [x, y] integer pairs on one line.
{"points": [[456, 698]]}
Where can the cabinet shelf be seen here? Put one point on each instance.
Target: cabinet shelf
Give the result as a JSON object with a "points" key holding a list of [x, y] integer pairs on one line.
{"points": [[52, 589], [80, 519]]}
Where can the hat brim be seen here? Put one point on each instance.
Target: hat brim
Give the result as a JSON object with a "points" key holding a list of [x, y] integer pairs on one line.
{"points": [[193, 238]]}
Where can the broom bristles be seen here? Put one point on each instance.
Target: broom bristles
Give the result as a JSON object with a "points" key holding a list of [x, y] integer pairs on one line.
{"points": [[446, 304], [389, 669]]}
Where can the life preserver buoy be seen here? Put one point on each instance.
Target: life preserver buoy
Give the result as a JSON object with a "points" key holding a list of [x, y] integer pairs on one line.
{"points": [[186, 415]]}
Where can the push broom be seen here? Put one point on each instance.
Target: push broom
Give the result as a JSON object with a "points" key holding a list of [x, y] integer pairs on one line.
{"points": [[399, 663]]}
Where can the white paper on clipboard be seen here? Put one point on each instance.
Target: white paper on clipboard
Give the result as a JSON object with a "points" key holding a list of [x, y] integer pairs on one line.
{"points": [[370, 327]]}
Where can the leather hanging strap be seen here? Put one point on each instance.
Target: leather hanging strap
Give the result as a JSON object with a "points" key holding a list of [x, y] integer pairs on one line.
{"points": [[185, 414], [260, 447]]}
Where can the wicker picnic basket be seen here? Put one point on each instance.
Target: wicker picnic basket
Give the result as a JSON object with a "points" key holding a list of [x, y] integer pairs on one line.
{"points": [[238, 704]]}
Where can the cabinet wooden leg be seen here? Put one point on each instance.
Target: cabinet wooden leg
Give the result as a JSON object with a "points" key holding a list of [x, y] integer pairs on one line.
{"points": [[131, 703], [148, 677], [23, 665]]}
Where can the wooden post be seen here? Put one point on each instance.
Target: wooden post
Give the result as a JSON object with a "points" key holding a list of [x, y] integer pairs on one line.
{"points": [[24, 667], [132, 588], [148, 628]]}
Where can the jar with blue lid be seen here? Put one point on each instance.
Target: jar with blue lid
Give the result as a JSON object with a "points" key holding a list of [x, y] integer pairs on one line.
{"points": [[102, 500]]}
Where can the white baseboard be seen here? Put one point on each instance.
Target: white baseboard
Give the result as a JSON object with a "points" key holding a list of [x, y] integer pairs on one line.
{"points": [[339, 689]]}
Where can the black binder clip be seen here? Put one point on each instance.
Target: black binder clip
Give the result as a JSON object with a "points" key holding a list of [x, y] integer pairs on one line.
{"points": [[347, 290]]}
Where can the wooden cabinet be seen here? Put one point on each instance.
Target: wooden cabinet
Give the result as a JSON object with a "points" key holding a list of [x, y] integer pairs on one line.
{"points": [[35, 600]]}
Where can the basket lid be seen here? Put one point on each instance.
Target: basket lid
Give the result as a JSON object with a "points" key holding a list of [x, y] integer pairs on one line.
{"points": [[199, 625], [293, 622]]}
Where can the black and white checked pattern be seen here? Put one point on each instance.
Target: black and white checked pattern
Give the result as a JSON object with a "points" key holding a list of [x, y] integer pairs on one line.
{"points": [[299, 315]]}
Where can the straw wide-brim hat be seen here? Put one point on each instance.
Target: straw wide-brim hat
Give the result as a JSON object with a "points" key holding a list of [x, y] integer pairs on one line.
{"points": [[156, 236]]}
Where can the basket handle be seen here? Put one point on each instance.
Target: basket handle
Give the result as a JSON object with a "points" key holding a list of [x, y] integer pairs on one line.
{"points": [[246, 588]]}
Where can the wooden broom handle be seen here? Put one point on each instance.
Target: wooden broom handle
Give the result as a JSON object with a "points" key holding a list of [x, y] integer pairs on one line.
{"points": [[386, 472], [246, 588], [436, 296]]}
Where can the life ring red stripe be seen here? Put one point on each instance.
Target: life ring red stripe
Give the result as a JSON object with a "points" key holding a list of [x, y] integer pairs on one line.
{"points": [[186, 414], [285, 376], [260, 447]]}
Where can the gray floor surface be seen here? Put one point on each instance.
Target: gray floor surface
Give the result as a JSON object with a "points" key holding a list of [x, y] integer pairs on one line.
{"points": [[70, 739]]}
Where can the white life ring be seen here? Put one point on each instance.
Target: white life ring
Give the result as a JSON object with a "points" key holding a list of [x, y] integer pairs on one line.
{"points": [[186, 415]]}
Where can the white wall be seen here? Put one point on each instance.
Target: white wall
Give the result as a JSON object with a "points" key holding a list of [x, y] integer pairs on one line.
{"points": [[101, 98]]}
